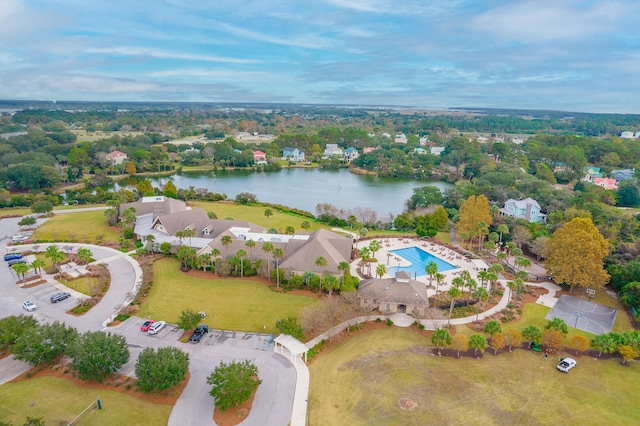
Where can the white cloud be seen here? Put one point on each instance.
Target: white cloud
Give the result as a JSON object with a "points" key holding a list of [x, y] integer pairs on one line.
{"points": [[165, 54], [309, 41]]}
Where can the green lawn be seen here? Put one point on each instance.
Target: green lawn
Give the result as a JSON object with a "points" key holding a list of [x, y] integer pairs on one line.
{"points": [[232, 304], [58, 401], [361, 382], [83, 226], [255, 214]]}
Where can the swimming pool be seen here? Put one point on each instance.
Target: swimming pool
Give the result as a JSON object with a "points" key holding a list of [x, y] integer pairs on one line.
{"points": [[419, 260]]}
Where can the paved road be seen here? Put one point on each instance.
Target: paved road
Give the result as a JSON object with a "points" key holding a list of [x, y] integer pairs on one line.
{"points": [[273, 403]]}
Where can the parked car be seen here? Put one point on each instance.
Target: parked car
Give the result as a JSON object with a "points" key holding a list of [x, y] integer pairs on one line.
{"points": [[14, 261], [156, 327], [29, 306], [147, 325], [566, 364], [59, 297], [18, 238], [12, 256], [199, 333]]}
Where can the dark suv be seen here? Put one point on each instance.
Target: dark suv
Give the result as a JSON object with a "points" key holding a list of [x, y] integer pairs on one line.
{"points": [[199, 333], [59, 297]]}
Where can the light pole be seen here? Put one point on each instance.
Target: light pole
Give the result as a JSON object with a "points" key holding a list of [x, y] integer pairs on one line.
{"points": [[578, 315]]}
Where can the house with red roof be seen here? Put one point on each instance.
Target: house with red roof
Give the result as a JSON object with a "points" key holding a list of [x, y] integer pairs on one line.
{"points": [[606, 183], [116, 157], [259, 158]]}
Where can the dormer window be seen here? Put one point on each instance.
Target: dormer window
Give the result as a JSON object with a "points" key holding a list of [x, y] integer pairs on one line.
{"points": [[205, 231]]}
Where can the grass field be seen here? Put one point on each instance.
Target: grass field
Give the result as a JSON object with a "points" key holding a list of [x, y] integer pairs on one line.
{"points": [[82, 226], [255, 214], [362, 381], [58, 401], [232, 304]]}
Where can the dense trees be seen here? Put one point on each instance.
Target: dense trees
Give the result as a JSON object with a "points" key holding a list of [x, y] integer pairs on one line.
{"points": [[233, 383], [43, 343], [162, 369], [95, 355], [575, 255]]}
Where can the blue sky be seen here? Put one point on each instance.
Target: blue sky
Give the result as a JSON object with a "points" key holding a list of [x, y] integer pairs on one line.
{"points": [[577, 55]]}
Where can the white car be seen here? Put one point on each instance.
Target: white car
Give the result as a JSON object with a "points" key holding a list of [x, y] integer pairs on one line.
{"points": [[29, 306], [566, 364], [156, 326]]}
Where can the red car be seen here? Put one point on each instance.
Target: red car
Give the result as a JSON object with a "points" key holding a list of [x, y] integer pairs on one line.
{"points": [[146, 325]]}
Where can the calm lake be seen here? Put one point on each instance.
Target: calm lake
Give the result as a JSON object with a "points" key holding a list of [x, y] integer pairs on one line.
{"points": [[306, 188]]}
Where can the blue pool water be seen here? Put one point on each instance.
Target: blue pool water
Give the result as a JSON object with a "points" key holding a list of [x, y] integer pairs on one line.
{"points": [[419, 260]]}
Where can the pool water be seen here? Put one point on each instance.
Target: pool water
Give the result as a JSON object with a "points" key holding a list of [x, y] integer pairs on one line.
{"points": [[419, 260]]}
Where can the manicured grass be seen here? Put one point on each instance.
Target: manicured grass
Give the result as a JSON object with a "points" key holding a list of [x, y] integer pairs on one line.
{"points": [[231, 303], [361, 381], [83, 285], [82, 226], [255, 214], [58, 401], [13, 212]]}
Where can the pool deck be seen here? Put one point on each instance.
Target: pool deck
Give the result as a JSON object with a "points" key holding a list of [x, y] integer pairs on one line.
{"points": [[390, 260]]}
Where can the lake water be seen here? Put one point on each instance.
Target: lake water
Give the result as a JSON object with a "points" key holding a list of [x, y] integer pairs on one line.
{"points": [[306, 188]]}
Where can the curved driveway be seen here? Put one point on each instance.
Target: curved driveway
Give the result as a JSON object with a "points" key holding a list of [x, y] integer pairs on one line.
{"points": [[274, 400]]}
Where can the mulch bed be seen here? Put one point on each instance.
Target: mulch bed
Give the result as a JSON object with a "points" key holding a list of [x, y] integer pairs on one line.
{"points": [[234, 416]]}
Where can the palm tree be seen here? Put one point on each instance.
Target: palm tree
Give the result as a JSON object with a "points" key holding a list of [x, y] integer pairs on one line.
{"points": [[250, 245], [344, 267], [511, 285], [484, 276], [482, 295], [501, 256], [55, 255], [454, 292], [225, 241], [241, 254], [278, 254], [267, 248], [322, 263], [365, 255], [268, 213], [522, 262], [305, 225], [129, 217], [441, 337], [37, 265], [431, 269], [330, 282], [186, 255], [215, 255], [471, 284], [149, 239], [203, 261], [482, 229], [502, 229], [439, 280], [381, 270], [21, 269], [374, 246], [188, 233], [84, 254], [180, 235]]}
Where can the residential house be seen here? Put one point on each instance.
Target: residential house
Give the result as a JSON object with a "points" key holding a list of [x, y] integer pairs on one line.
{"points": [[368, 150], [116, 157], [482, 139], [293, 154], [591, 173], [399, 294], [436, 150], [386, 135], [401, 138], [424, 140], [606, 183], [259, 158], [419, 151], [517, 140], [627, 135], [528, 209], [623, 174], [332, 149], [350, 154]]}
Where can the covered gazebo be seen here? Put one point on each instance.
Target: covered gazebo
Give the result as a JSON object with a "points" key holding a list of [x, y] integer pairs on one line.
{"points": [[293, 345]]}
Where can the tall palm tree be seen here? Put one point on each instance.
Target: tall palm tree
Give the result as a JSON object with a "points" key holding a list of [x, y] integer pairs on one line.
{"points": [[344, 267], [454, 292], [21, 269], [522, 262], [225, 241], [374, 246], [241, 254], [188, 233], [483, 276], [482, 295], [180, 235], [149, 240], [322, 263], [439, 280], [380, 270], [55, 255], [365, 255], [250, 245], [482, 229], [267, 248], [278, 254], [215, 255], [431, 269], [37, 266], [502, 229]]}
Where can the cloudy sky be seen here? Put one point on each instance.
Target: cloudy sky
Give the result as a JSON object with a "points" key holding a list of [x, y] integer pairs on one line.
{"points": [[577, 55]]}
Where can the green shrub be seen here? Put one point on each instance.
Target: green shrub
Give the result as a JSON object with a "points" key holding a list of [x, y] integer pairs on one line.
{"points": [[389, 322]]}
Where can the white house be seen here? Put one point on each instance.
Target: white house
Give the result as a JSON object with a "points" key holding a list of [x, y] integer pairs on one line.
{"points": [[292, 154], [332, 149], [528, 209], [627, 135], [436, 150], [401, 138], [116, 157]]}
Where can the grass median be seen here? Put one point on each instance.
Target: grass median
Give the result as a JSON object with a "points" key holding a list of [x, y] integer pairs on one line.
{"points": [[231, 303], [81, 226], [387, 377]]}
